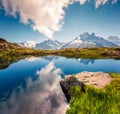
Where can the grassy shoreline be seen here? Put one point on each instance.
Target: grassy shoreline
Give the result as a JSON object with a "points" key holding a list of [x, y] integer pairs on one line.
{"points": [[94, 52], [97, 101], [13, 54]]}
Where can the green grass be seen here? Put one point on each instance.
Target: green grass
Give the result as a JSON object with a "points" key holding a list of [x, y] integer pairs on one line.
{"points": [[94, 53], [97, 101]]}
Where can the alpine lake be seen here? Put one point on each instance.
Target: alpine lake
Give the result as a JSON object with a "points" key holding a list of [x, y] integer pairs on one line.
{"points": [[31, 85]]}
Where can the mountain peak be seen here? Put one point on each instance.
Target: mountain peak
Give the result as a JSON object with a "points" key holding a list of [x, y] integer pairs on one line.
{"points": [[85, 34], [82, 41], [45, 45], [89, 40], [93, 34]]}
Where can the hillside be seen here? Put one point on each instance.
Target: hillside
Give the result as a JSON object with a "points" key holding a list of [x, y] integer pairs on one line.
{"points": [[4, 45], [11, 50]]}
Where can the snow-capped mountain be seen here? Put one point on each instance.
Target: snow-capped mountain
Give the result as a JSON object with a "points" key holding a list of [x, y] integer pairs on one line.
{"points": [[114, 39], [51, 58], [47, 44], [28, 44], [86, 61], [88, 40], [82, 41]]}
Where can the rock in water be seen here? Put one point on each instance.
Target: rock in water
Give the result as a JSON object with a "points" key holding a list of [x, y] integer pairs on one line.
{"points": [[96, 79], [68, 83]]}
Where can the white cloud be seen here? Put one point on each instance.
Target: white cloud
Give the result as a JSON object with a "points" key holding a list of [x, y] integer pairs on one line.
{"points": [[82, 1], [102, 2], [31, 59], [45, 16]]}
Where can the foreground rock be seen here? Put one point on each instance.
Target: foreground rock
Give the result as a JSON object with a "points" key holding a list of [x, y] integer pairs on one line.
{"points": [[96, 79]]}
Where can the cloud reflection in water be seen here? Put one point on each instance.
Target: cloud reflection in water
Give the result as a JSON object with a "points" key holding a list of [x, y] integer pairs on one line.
{"points": [[40, 96]]}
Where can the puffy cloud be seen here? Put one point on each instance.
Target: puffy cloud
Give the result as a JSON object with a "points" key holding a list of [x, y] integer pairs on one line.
{"points": [[45, 16], [102, 2], [82, 1]]}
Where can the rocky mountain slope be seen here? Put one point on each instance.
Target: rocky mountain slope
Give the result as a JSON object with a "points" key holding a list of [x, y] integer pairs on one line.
{"points": [[84, 40], [45, 45], [114, 39], [49, 44], [88, 40]]}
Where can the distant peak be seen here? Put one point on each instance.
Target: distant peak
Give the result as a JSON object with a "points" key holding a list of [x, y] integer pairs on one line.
{"points": [[93, 34], [113, 37], [85, 35], [88, 34]]}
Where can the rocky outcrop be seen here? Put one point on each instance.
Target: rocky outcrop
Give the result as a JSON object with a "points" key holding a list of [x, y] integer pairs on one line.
{"points": [[96, 79]]}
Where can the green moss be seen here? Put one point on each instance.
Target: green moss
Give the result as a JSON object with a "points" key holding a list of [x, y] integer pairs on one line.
{"points": [[97, 101]]}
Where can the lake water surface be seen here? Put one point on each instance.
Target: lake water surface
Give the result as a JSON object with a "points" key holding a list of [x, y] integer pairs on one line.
{"points": [[31, 85]]}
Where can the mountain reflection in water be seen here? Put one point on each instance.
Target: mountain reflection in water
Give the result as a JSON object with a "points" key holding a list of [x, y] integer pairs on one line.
{"points": [[40, 96]]}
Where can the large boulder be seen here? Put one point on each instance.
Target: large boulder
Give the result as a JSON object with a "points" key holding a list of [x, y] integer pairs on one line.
{"points": [[96, 79]]}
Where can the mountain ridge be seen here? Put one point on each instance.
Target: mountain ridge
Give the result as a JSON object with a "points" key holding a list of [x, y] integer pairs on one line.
{"points": [[84, 40], [114, 39], [45, 45], [88, 40]]}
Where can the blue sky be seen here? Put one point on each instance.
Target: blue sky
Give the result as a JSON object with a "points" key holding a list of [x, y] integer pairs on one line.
{"points": [[103, 21]]}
